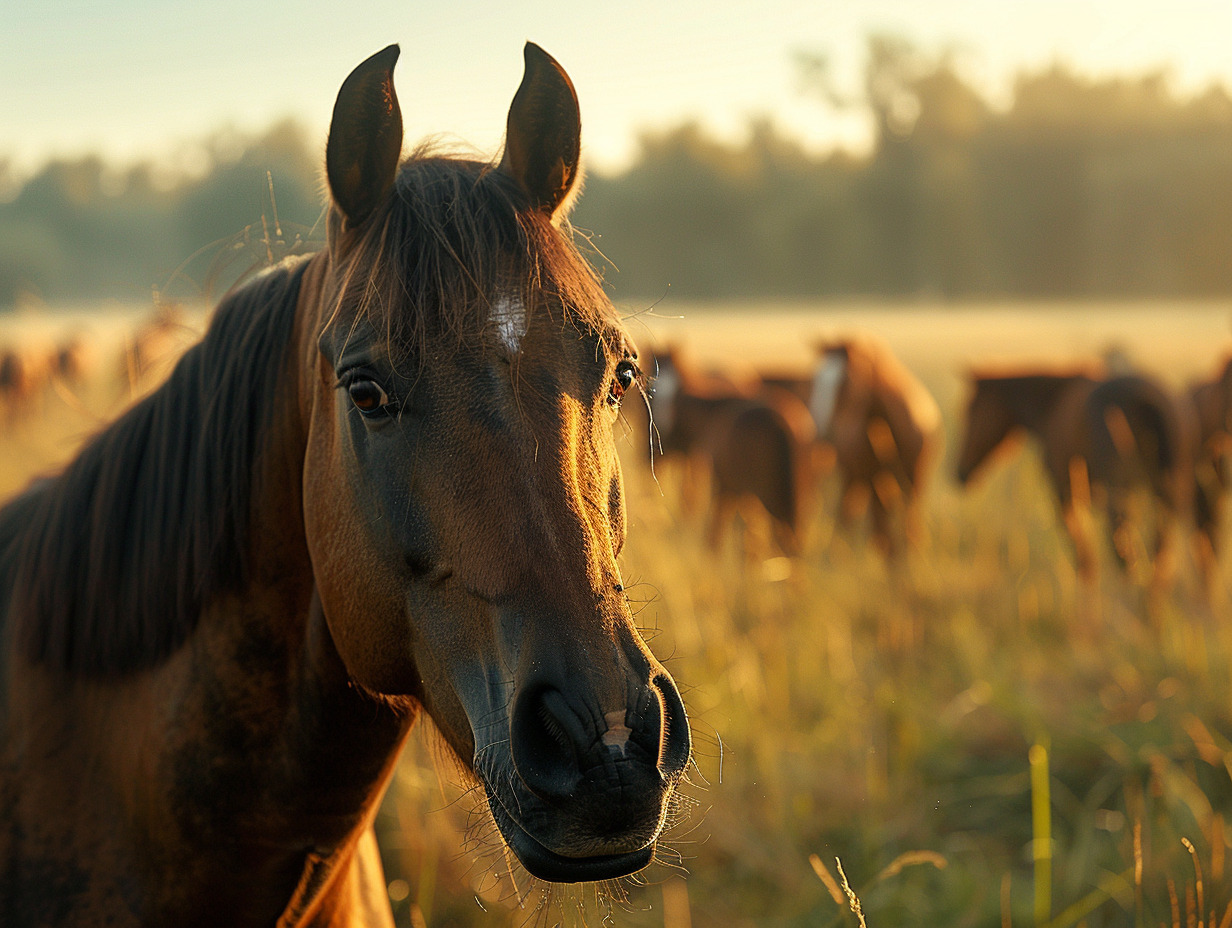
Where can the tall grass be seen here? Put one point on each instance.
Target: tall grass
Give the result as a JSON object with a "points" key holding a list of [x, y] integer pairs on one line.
{"points": [[975, 736]]}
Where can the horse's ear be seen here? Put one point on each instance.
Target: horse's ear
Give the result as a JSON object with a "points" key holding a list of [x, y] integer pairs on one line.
{"points": [[544, 133], [365, 138]]}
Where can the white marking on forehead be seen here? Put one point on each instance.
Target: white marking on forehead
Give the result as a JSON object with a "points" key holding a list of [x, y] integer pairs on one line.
{"points": [[617, 734], [663, 402], [826, 384], [509, 316]]}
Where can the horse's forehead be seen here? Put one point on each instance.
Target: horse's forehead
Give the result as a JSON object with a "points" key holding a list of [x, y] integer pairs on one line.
{"points": [[508, 316], [826, 384]]}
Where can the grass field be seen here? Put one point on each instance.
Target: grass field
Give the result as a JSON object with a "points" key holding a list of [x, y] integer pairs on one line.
{"points": [[979, 739]]}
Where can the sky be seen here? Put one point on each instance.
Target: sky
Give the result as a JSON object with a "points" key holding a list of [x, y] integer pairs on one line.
{"points": [[145, 79]]}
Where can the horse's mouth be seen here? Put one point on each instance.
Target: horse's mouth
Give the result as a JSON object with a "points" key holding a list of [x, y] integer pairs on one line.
{"points": [[548, 865]]}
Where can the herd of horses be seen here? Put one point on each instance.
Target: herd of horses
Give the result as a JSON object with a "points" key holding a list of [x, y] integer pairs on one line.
{"points": [[31, 370], [1108, 437], [385, 484]]}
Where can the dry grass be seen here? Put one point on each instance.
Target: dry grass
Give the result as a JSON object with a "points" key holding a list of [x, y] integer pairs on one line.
{"points": [[951, 732]]}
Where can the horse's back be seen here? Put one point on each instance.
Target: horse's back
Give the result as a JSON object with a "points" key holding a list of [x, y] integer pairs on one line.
{"points": [[1137, 426], [758, 449]]}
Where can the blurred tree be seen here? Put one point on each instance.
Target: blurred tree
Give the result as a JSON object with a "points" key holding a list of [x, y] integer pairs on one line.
{"points": [[1079, 187]]}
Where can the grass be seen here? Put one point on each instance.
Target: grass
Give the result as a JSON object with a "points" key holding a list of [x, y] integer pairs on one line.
{"points": [[974, 739]]}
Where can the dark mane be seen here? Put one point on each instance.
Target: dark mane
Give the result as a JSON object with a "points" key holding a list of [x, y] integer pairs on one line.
{"points": [[113, 560], [454, 233]]}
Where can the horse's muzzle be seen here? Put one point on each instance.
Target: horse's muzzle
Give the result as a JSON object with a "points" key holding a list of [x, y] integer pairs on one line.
{"points": [[589, 792]]}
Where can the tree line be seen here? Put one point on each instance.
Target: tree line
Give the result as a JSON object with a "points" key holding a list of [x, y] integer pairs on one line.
{"points": [[1079, 187]]}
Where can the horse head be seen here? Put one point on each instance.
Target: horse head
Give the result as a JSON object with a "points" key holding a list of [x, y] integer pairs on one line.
{"points": [[462, 493], [988, 421]]}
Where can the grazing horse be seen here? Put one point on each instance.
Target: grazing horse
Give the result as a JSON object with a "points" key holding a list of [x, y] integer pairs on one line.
{"points": [[753, 440], [384, 483], [759, 451], [885, 429], [1210, 404], [1115, 434], [23, 375], [72, 361]]}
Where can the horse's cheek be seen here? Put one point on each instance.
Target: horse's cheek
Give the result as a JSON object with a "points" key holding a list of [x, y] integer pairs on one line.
{"points": [[361, 599]]}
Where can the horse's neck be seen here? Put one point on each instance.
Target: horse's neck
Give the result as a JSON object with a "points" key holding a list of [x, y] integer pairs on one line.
{"points": [[291, 758], [1036, 402], [329, 748]]}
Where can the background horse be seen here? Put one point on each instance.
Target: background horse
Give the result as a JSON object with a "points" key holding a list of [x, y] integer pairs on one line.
{"points": [[1108, 435], [749, 441], [24, 372], [1210, 403], [384, 482], [885, 429]]}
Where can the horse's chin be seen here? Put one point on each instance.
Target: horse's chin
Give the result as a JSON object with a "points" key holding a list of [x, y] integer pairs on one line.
{"points": [[546, 864]]}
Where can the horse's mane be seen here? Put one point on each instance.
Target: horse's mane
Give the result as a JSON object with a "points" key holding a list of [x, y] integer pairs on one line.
{"points": [[113, 560], [456, 232]]}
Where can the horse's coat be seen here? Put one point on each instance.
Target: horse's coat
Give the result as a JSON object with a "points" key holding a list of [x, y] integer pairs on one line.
{"points": [[1109, 434], [1210, 404], [753, 440], [360, 497], [885, 429]]}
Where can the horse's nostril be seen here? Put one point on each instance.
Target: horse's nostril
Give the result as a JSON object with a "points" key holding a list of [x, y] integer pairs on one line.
{"points": [[675, 742], [546, 739]]}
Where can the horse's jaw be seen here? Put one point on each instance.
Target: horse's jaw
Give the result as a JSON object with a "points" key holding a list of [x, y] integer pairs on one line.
{"points": [[579, 851], [546, 864]]}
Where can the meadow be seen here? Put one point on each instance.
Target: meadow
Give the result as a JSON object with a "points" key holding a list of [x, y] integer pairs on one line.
{"points": [[974, 738]]}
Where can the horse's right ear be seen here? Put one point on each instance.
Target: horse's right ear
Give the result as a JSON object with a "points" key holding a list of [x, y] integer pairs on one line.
{"points": [[365, 138]]}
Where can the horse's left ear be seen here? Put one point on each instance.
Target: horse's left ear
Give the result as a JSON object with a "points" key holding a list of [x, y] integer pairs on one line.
{"points": [[365, 138], [544, 132]]}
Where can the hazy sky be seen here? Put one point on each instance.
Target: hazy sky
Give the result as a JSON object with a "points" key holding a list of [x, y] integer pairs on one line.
{"points": [[134, 78]]}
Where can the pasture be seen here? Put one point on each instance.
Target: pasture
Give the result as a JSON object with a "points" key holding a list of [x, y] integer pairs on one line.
{"points": [[978, 738]]}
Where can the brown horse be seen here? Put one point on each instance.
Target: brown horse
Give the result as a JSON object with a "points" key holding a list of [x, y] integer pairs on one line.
{"points": [[385, 482], [72, 362], [24, 373], [885, 429], [1112, 435], [753, 441], [1210, 403]]}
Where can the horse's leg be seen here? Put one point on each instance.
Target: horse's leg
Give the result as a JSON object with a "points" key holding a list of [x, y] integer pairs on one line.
{"points": [[786, 536], [696, 478], [883, 534], [1074, 493], [1120, 528], [1163, 562], [722, 508]]}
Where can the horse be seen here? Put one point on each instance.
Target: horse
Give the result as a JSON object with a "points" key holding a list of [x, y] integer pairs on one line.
{"points": [[1210, 404], [753, 442], [1113, 434], [72, 362], [885, 429], [24, 372], [383, 484]]}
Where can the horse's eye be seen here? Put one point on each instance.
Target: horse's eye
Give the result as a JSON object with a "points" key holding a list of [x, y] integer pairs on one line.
{"points": [[368, 396], [626, 373]]}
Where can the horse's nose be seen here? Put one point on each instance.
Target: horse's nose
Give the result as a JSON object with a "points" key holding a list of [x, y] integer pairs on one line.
{"points": [[675, 743], [547, 737], [556, 741]]}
